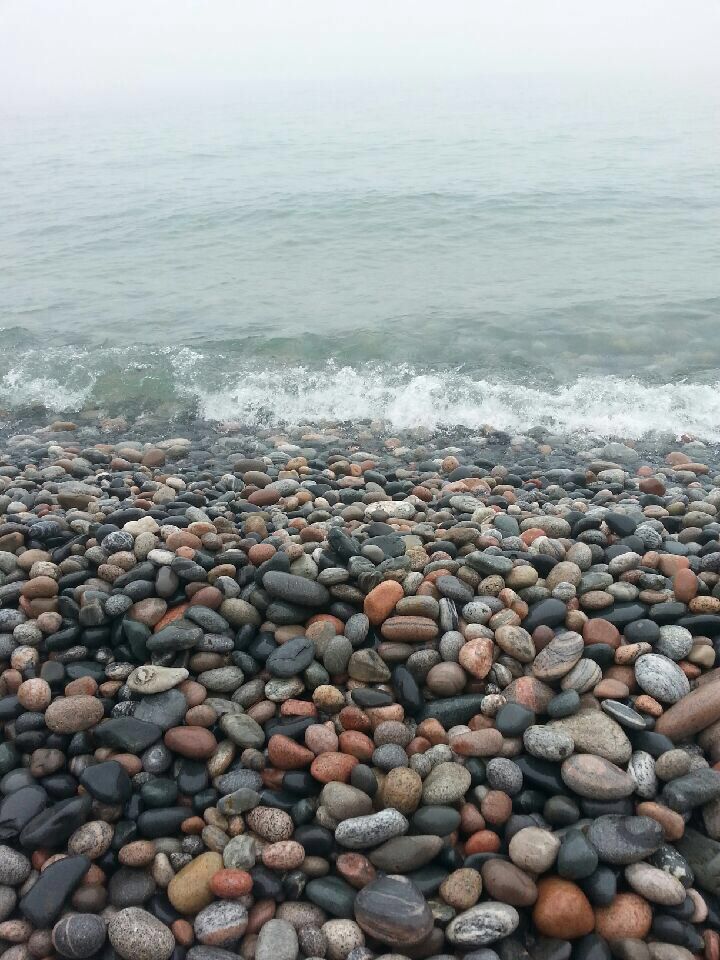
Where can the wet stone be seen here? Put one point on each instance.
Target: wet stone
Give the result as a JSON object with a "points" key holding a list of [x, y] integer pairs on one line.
{"points": [[622, 840], [79, 935], [393, 911], [484, 924]]}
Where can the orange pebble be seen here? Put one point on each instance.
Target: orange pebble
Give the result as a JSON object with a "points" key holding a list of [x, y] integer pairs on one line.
{"points": [[298, 708], [183, 932], [484, 841], [229, 884], [286, 754], [193, 825], [433, 731], [353, 718], [333, 766], [356, 744]]}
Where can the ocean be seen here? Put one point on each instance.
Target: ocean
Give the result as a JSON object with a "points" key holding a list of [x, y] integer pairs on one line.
{"points": [[511, 257]]}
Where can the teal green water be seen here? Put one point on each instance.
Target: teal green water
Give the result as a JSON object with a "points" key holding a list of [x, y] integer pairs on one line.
{"points": [[510, 260]]}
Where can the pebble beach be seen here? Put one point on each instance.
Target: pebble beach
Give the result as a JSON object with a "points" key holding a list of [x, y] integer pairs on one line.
{"points": [[340, 693]]}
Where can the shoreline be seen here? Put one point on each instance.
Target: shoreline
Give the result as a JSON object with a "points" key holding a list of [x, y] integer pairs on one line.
{"points": [[342, 692]]}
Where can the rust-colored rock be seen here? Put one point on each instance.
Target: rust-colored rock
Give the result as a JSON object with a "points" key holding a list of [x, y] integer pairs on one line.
{"points": [[333, 766], [562, 910], [286, 754], [409, 629], [196, 743], [628, 917], [685, 586], [230, 884], [601, 631], [476, 656], [697, 710], [380, 602]]}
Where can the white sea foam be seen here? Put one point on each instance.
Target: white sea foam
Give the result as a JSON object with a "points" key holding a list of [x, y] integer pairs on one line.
{"points": [[225, 387], [404, 398]]}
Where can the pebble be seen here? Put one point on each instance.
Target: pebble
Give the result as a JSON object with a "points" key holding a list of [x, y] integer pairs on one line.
{"points": [[136, 934], [392, 910], [189, 890], [221, 923], [621, 840], [654, 884], [277, 940], [562, 910], [483, 924], [14, 866], [596, 778], [661, 678], [292, 672], [79, 935]]}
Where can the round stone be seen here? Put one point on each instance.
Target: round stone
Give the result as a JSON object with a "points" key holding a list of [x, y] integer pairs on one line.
{"points": [[447, 783], [136, 934], [221, 923], [596, 778], [73, 714], [622, 840], [534, 849], [392, 910], [483, 924], [661, 678], [79, 935], [562, 910], [654, 884]]}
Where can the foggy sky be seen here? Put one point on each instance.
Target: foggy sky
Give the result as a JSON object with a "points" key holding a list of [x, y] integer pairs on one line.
{"points": [[57, 54]]}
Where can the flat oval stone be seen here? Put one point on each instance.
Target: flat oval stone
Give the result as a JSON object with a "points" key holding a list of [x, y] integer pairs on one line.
{"points": [[409, 629], [625, 716], [549, 613], [291, 658], [547, 743], [155, 679], [333, 895], [507, 883], [654, 884], [483, 924], [166, 709], [392, 910], [446, 783], [661, 677], [693, 713], [674, 642], [19, 808], [295, 590], [359, 833], [402, 854], [596, 778], [559, 656], [577, 858], [516, 642], [221, 923], [622, 840], [513, 719], [693, 790], [440, 821], [73, 714], [127, 734]]}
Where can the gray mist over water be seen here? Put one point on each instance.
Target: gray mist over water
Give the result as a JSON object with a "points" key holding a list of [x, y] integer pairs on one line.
{"points": [[507, 217]]}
